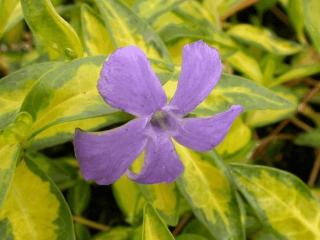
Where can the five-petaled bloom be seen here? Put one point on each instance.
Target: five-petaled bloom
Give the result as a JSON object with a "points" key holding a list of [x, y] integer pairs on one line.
{"points": [[127, 82]]}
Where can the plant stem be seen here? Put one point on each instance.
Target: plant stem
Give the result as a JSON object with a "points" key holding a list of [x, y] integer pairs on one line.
{"points": [[315, 170], [90, 223], [300, 124], [280, 15], [309, 96], [184, 220], [242, 5]]}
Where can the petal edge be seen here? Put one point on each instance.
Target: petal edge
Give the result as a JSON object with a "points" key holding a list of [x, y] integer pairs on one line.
{"points": [[161, 162], [202, 134], [200, 72], [128, 82], [104, 157]]}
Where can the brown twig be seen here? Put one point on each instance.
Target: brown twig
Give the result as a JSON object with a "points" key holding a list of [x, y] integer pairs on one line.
{"points": [[311, 82], [279, 128], [315, 170], [309, 96], [4, 69], [275, 132], [307, 81], [242, 5], [280, 15], [300, 124], [90, 223], [183, 222], [265, 141], [309, 112]]}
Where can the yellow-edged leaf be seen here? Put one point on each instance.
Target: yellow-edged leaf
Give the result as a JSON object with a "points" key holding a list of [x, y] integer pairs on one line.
{"points": [[125, 189], [232, 89], [206, 186], [153, 226], [237, 138], [96, 39], [260, 118], [263, 38], [7, 7], [126, 28], [311, 9], [54, 34], [35, 209], [15, 86], [9, 153], [63, 132], [164, 198], [67, 93], [282, 201], [245, 64]]}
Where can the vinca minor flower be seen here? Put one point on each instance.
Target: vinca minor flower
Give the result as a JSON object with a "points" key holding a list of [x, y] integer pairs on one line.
{"points": [[127, 82]]}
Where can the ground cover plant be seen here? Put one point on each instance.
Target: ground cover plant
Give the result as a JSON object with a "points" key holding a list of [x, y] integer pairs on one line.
{"points": [[235, 145]]}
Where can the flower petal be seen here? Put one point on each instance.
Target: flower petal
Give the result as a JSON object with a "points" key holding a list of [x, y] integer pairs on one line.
{"points": [[105, 156], [161, 162], [128, 82], [201, 70], [202, 134]]}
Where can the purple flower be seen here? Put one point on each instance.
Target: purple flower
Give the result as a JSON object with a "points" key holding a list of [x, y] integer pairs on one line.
{"points": [[127, 82]]}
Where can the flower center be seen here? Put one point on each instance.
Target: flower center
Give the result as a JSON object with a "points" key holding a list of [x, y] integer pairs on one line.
{"points": [[160, 119]]}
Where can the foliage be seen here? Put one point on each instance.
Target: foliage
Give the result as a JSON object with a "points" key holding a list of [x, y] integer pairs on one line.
{"points": [[51, 53]]}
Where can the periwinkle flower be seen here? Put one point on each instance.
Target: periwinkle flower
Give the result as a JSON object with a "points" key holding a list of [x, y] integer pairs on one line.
{"points": [[127, 82]]}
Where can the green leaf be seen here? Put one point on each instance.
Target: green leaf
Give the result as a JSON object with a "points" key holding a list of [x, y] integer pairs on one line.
{"points": [[54, 34], [79, 197], [67, 93], [231, 143], [6, 230], [245, 64], [296, 16], [265, 5], [232, 89], [197, 228], [193, 13], [260, 118], [150, 12], [153, 226], [243, 155], [15, 17], [205, 184], [163, 197], [95, 37], [35, 208], [7, 7], [64, 132], [311, 138], [188, 20], [264, 39], [312, 20], [82, 232], [12, 140], [269, 64], [227, 8], [296, 73], [15, 86], [60, 170], [9, 154], [117, 233], [125, 189], [126, 28], [281, 201], [190, 237]]}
